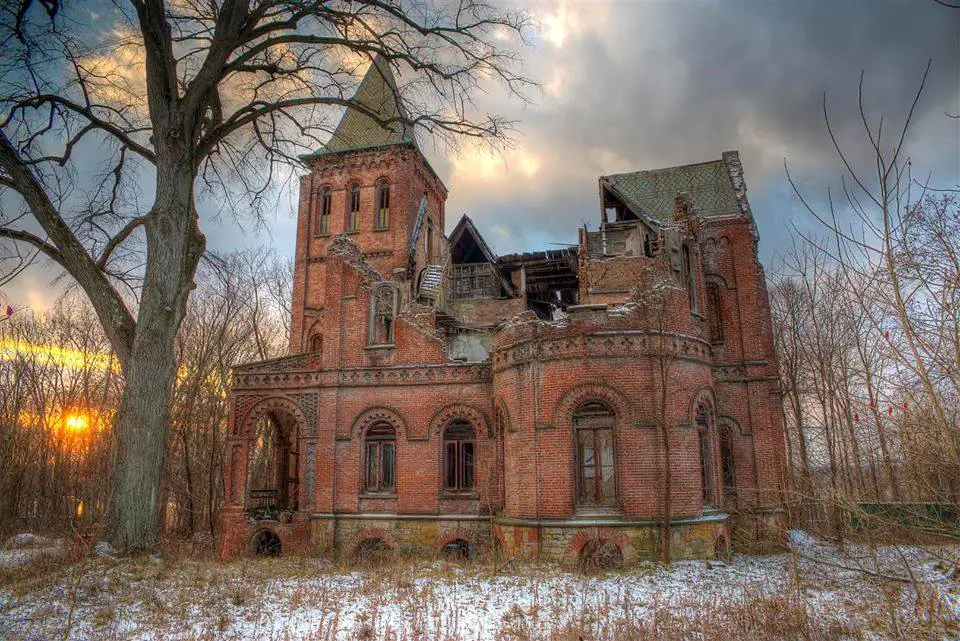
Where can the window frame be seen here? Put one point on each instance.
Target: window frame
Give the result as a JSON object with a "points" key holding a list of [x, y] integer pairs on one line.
{"points": [[379, 439], [715, 311], [594, 412], [703, 421], [377, 296], [381, 220], [459, 437], [323, 217], [353, 208]]}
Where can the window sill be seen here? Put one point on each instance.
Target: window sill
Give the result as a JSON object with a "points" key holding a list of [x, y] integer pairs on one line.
{"points": [[382, 229], [449, 494], [379, 495], [351, 233], [326, 235], [384, 346]]}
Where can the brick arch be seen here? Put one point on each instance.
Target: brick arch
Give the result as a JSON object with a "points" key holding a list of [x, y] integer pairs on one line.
{"points": [[724, 419], [449, 413], [717, 279], [451, 535], [571, 555], [251, 540], [604, 393], [371, 533], [703, 395], [377, 414], [272, 404]]}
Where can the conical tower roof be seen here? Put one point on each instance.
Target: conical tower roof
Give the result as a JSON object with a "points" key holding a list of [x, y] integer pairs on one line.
{"points": [[377, 93]]}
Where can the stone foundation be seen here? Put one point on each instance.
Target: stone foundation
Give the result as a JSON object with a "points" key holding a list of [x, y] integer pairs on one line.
{"points": [[562, 541], [760, 530]]}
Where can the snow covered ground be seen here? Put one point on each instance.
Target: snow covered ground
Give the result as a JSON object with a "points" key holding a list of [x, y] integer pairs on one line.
{"points": [[819, 592]]}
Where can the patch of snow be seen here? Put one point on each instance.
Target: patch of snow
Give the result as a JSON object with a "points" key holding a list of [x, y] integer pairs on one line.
{"points": [[104, 549]]}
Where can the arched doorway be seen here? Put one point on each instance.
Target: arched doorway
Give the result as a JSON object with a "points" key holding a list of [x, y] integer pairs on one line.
{"points": [[273, 479]]}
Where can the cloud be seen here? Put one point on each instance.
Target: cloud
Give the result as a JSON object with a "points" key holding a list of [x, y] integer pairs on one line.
{"points": [[641, 85]]}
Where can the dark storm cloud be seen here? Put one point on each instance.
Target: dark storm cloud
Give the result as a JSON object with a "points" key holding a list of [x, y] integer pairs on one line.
{"points": [[647, 85]]}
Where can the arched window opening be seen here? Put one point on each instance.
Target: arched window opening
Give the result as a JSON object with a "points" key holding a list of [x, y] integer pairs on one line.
{"points": [[459, 457], [716, 313], [272, 467], [457, 550], [353, 208], [598, 555], [688, 277], [728, 466], [596, 472], [383, 314], [381, 456], [706, 455], [382, 219], [323, 226], [316, 343]]}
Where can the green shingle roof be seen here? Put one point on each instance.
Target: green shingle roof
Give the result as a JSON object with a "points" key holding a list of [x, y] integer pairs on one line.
{"points": [[377, 93], [709, 186]]}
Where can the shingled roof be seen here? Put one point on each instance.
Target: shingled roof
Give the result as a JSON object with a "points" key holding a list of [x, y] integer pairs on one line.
{"points": [[710, 186], [377, 93]]}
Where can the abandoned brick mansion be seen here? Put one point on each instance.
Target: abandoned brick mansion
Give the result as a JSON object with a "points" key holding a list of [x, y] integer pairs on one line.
{"points": [[554, 404]]}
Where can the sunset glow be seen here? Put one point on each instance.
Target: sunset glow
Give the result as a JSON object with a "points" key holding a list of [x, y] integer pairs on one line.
{"points": [[11, 350], [76, 422]]}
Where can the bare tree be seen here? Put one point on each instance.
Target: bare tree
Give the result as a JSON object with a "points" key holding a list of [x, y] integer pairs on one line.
{"points": [[201, 98]]}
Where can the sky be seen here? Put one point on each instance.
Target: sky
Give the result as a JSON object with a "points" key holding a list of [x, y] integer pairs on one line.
{"points": [[630, 85]]}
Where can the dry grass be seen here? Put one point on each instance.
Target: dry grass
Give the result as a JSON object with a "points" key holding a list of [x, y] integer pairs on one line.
{"points": [[307, 599]]}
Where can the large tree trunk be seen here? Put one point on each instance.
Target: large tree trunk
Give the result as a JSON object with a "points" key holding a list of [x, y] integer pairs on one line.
{"points": [[174, 246]]}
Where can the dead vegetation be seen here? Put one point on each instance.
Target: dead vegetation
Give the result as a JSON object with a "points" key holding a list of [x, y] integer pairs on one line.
{"points": [[817, 592]]}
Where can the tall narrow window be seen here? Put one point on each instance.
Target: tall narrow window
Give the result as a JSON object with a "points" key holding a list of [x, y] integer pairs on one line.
{"points": [[383, 314], [382, 219], [316, 343], [429, 242], [323, 226], [716, 313], [688, 278], [706, 455], [728, 465], [597, 485], [459, 457], [353, 208], [381, 455]]}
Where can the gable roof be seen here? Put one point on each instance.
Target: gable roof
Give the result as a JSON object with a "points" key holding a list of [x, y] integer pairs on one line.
{"points": [[709, 186], [357, 130], [466, 226]]}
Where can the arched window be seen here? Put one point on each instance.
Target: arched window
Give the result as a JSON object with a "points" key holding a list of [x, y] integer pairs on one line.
{"points": [[353, 208], [688, 278], [716, 313], [459, 457], [383, 313], [381, 456], [382, 219], [707, 482], [596, 473], [323, 225], [316, 343], [728, 465]]}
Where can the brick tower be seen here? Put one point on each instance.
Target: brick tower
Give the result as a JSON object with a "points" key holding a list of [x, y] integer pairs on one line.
{"points": [[370, 182]]}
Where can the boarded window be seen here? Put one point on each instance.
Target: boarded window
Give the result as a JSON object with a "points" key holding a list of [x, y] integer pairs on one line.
{"points": [[474, 280], [382, 219], [459, 457], [381, 449], [596, 471]]}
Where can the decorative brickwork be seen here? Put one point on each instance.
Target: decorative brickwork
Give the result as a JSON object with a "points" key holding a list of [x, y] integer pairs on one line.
{"points": [[555, 363]]}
